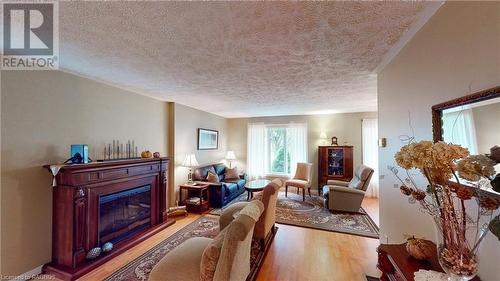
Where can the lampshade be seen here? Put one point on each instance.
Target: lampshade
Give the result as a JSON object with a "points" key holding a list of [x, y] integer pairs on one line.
{"points": [[322, 135], [190, 161], [230, 155]]}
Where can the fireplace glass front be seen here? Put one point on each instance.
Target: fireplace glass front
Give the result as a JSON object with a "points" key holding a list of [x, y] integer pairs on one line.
{"points": [[123, 214]]}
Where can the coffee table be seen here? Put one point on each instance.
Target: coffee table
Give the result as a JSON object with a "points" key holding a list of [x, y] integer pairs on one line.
{"points": [[255, 186]]}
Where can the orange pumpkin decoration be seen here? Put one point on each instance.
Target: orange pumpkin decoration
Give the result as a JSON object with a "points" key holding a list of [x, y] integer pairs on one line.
{"points": [[420, 249], [146, 154]]}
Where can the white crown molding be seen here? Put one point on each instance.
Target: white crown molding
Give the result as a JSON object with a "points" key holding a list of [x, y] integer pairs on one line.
{"points": [[423, 17]]}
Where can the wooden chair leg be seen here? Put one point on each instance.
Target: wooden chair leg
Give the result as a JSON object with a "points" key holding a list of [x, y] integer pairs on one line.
{"points": [[309, 190], [286, 190], [303, 194]]}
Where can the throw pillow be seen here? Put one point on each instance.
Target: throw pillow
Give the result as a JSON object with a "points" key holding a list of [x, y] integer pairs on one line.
{"points": [[210, 257], [211, 177], [231, 174]]}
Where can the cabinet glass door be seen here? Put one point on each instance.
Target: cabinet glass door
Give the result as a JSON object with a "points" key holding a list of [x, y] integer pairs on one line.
{"points": [[336, 162]]}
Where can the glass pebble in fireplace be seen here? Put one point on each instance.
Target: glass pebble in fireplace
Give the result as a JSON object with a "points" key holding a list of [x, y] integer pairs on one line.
{"points": [[336, 162], [123, 214]]}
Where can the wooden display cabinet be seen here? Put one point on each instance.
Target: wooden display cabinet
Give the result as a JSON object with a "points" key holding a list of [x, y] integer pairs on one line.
{"points": [[334, 163]]}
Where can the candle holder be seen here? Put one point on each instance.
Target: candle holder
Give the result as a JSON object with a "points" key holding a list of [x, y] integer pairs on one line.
{"points": [[117, 150]]}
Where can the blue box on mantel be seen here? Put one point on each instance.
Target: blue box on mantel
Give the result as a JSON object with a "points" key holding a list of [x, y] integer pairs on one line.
{"points": [[79, 153]]}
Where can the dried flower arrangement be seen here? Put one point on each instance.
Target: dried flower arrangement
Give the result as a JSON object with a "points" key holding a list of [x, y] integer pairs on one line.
{"points": [[445, 202]]}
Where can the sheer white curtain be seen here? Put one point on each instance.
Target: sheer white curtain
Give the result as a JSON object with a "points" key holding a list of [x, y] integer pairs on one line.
{"points": [[258, 154], [369, 136], [459, 128], [296, 144], [257, 161]]}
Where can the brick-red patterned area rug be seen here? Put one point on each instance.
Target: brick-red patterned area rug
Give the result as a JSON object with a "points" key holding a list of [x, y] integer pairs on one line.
{"points": [[205, 226]]}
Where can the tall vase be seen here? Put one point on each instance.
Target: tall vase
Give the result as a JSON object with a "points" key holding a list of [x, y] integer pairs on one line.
{"points": [[458, 258]]}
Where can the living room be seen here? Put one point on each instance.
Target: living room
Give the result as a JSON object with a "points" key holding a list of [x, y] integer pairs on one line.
{"points": [[276, 92]]}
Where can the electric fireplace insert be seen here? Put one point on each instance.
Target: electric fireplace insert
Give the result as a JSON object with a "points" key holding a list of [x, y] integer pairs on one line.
{"points": [[123, 214]]}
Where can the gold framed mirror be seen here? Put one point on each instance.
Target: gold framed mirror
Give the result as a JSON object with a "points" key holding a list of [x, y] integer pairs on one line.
{"points": [[477, 100], [472, 121]]}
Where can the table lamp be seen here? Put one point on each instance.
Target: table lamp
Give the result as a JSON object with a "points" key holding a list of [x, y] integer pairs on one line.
{"points": [[190, 161], [323, 137], [230, 157]]}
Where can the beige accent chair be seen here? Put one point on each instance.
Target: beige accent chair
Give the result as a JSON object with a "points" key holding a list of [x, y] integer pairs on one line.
{"points": [[264, 228], [302, 179], [347, 196], [224, 258]]}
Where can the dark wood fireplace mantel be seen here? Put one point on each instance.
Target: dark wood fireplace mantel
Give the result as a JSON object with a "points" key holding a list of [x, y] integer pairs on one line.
{"points": [[75, 226]]}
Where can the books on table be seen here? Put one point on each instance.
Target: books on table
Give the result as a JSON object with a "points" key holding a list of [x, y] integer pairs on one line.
{"points": [[194, 200]]}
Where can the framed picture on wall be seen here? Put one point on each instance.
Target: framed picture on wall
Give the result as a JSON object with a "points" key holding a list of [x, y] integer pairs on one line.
{"points": [[208, 139]]}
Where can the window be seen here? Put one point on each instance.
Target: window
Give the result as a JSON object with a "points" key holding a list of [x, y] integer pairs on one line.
{"points": [[459, 128], [369, 138], [279, 156], [275, 149]]}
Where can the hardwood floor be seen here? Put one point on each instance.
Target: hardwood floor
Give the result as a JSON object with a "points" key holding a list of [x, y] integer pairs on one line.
{"points": [[296, 253], [299, 253]]}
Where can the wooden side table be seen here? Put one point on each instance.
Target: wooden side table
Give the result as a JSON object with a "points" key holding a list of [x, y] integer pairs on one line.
{"points": [[396, 264], [199, 190]]}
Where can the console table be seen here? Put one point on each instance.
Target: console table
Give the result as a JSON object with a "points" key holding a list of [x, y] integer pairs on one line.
{"points": [[397, 265]]}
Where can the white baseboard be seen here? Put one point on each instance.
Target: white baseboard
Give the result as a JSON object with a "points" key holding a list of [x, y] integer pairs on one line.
{"points": [[27, 275]]}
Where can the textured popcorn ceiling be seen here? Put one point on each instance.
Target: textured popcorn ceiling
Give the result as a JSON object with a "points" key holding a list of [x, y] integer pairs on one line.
{"points": [[237, 59]]}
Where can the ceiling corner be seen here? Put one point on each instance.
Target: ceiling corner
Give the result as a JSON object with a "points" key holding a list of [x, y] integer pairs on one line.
{"points": [[423, 17]]}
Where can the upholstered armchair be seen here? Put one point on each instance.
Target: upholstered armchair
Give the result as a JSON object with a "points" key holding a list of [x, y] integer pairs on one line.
{"points": [[224, 258], [264, 228], [347, 196], [302, 179]]}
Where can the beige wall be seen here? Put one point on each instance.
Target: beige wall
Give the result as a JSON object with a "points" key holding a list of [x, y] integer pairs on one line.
{"points": [[187, 120], [345, 126], [42, 113], [487, 130], [455, 53]]}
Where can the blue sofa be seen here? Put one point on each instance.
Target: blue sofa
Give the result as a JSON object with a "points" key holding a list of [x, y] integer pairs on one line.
{"points": [[223, 192]]}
